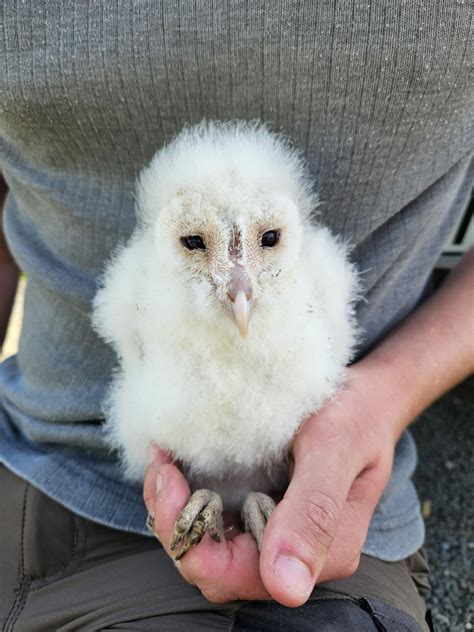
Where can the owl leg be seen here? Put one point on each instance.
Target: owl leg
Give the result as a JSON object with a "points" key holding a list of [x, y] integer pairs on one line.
{"points": [[202, 513], [255, 513]]}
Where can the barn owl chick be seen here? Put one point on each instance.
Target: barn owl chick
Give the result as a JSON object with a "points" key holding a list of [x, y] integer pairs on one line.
{"points": [[231, 313]]}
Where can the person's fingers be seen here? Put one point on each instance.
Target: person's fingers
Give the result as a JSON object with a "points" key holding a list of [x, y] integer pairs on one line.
{"points": [[158, 455], [301, 529], [299, 534], [156, 458], [170, 494], [344, 553], [223, 571]]}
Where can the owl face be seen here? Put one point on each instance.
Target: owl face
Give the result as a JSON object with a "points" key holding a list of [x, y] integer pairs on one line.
{"points": [[231, 251]]}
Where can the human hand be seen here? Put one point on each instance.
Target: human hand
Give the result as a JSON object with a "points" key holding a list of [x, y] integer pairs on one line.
{"points": [[223, 571], [343, 459]]}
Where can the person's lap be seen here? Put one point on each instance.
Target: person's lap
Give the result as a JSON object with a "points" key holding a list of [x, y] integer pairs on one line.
{"points": [[62, 572]]}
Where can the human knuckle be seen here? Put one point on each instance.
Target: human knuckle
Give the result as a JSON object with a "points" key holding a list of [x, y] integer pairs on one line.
{"points": [[350, 567], [216, 595], [320, 513]]}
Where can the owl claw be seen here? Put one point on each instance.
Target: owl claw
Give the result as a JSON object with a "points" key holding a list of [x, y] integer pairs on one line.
{"points": [[202, 513], [255, 513]]}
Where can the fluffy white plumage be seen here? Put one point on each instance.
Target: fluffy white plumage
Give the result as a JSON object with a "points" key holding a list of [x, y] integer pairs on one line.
{"points": [[227, 406]]}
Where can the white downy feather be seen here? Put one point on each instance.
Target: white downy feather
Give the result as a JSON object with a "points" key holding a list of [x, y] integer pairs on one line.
{"points": [[228, 407]]}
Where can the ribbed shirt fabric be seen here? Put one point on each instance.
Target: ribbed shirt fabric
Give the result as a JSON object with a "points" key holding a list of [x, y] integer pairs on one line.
{"points": [[378, 95]]}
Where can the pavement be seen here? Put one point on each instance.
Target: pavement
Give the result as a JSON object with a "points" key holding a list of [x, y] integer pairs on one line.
{"points": [[445, 482]]}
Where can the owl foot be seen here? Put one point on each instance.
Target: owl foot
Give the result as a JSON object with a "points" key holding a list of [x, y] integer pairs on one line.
{"points": [[202, 513], [255, 513]]}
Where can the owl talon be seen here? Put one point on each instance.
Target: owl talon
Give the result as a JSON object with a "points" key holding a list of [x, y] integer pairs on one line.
{"points": [[202, 513], [255, 513]]}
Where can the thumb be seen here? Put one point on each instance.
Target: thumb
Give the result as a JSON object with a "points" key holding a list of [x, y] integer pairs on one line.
{"points": [[301, 529]]}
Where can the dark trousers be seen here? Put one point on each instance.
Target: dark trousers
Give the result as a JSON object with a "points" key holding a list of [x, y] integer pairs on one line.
{"points": [[59, 571]]}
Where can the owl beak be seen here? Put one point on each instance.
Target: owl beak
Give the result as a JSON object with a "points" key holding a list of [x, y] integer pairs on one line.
{"points": [[239, 293], [240, 310]]}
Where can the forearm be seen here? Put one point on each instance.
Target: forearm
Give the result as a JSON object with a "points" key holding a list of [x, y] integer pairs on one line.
{"points": [[430, 352]]}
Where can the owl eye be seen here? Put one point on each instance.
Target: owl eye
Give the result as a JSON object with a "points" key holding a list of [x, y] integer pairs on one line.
{"points": [[193, 242], [270, 238]]}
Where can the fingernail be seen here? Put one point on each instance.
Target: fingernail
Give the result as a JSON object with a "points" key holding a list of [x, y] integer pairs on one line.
{"points": [[294, 575], [151, 453], [159, 482]]}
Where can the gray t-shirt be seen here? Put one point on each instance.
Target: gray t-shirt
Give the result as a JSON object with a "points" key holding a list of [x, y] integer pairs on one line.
{"points": [[376, 94]]}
